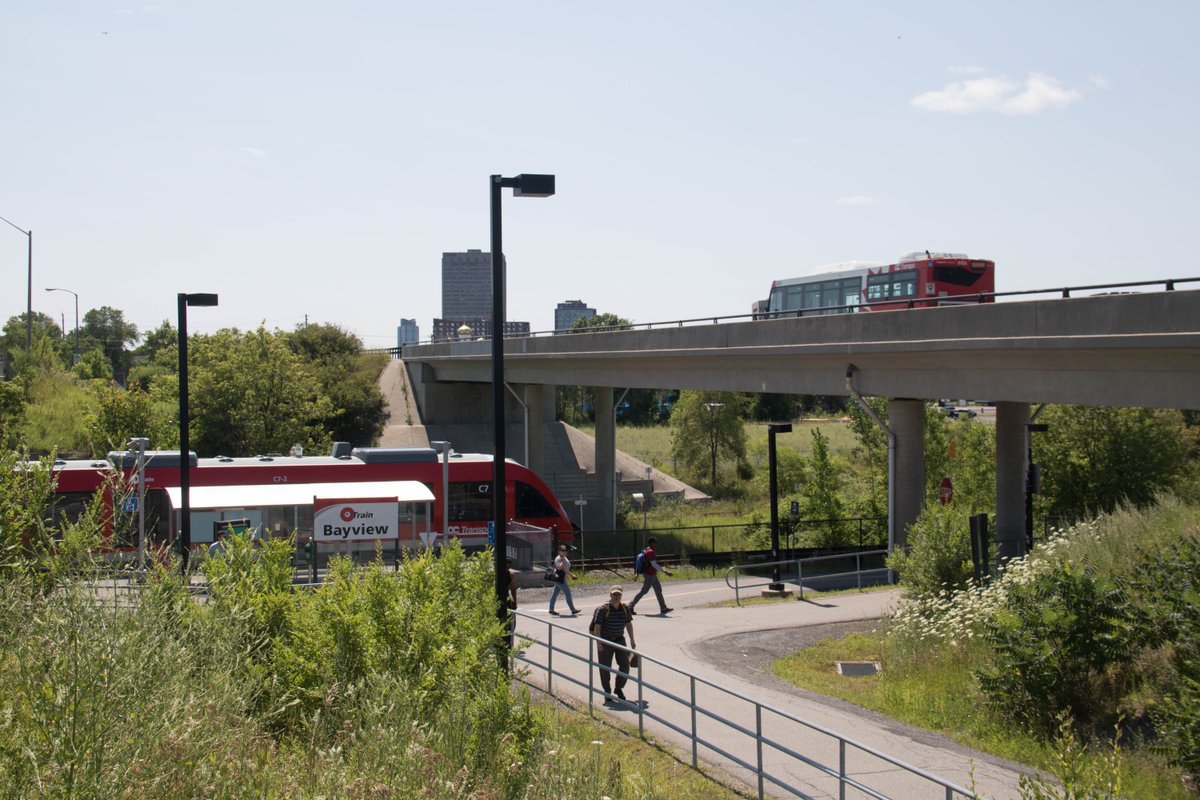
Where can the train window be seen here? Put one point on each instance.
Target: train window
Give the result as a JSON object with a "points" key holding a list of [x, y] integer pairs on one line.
{"points": [[532, 504], [470, 500], [67, 507]]}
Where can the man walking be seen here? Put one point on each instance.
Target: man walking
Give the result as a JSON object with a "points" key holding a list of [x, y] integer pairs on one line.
{"points": [[650, 568], [610, 622]]}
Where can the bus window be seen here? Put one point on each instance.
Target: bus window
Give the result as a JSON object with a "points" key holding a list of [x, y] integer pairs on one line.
{"points": [[470, 501], [531, 504], [959, 276]]}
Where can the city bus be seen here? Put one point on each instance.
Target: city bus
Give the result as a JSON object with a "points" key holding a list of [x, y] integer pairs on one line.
{"points": [[917, 280]]}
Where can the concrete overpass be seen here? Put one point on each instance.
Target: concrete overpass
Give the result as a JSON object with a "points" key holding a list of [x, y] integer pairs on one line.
{"points": [[1119, 350]]}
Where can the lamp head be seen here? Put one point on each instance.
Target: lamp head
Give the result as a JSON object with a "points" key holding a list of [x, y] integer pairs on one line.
{"points": [[200, 299], [531, 185]]}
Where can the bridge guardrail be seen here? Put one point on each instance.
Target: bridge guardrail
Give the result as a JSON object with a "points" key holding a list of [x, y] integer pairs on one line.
{"points": [[1168, 285]]}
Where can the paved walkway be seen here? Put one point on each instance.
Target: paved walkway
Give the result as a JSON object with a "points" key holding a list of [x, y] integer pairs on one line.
{"points": [[681, 640]]}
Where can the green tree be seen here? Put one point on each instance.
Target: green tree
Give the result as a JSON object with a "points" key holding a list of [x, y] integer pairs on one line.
{"points": [[250, 394], [708, 427], [93, 365], [1094, 458], [348, 377], [12, 413], [106, 328], [820, 499], [156, 356], [117, 415], [12, 343]]}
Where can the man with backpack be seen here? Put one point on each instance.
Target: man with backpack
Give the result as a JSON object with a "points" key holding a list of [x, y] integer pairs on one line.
{"points": [[648, 567], [610, 622]]}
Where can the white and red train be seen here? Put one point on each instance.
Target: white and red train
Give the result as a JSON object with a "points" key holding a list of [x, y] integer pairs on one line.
{"points": [[467, 476]]}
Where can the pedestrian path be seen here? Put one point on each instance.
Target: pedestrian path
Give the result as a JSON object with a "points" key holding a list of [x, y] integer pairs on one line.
{"points": [[679, 640]]}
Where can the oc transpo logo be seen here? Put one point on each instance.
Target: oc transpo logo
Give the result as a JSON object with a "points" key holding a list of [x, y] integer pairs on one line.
{"points": [[347, 514]]}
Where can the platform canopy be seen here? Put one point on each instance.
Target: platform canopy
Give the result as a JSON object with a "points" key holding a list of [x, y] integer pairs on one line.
{"points": [[207, 498]]}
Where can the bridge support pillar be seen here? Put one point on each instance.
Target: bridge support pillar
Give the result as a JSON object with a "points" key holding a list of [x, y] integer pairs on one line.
{"points": [[539, 407], [606, 458], [906, 418], [1011, 449]]}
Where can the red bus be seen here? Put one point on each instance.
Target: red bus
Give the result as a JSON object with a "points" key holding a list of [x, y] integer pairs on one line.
{"points": [[917, 280], [468, 477]]}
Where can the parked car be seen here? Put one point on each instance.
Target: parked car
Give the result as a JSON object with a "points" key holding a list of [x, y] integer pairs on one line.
{"points": [[959, 412]]}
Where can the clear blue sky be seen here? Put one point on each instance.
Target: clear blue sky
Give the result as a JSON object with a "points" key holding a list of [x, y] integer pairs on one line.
{"points": [[317, 158]]}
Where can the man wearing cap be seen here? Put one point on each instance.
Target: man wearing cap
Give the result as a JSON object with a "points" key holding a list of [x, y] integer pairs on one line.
{"points": [[610, 622]]}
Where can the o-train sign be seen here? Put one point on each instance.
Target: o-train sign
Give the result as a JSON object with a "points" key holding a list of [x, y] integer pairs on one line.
{"points": [[358, 520]]}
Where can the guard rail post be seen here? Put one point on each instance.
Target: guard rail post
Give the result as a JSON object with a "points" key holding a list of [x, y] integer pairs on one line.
{"points": [[841, 769], [641, 706], [695, 754], [591, 676], [550, 658], [758, 744]]}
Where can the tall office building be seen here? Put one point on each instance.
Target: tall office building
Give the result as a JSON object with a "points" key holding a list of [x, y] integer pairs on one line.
{"points": [[566, 312], [407, 332], [467, 285]]}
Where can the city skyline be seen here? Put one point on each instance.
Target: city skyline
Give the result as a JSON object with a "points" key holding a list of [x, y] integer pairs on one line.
{"points": [[298, 161]]}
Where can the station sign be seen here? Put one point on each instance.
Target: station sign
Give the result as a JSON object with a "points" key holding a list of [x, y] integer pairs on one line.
{"points": [[357, 520]]}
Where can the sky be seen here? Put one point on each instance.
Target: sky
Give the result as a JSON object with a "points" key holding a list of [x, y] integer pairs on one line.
{"points": [[312, 161]]}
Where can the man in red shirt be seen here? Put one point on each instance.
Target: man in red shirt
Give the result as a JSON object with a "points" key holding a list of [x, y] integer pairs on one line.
{"points": [[650, 578]]}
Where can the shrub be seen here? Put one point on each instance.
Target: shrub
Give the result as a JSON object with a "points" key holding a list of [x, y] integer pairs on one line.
{"points": [[1052, 645], [939, 552]]}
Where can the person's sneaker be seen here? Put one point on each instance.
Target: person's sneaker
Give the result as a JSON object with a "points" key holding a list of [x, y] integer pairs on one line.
{"points": [[574, 611], [667, 610], [553, 613], [621, 695]]}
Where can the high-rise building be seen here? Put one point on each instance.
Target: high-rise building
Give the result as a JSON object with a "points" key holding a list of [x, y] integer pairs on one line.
{"points": [[467, 285], [407, 332], [566, 312]]}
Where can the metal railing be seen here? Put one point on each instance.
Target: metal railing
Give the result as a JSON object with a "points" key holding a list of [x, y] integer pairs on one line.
{"points": [[737, 733], [736, 570]]}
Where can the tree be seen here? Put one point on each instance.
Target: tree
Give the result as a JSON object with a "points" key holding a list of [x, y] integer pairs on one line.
{"points": [[118, 415], [705, 426], [250, 394], [156, 356], [12, 343], [820, 499], [1094, 458], [349, 377], [106, 328], [12, 412]]}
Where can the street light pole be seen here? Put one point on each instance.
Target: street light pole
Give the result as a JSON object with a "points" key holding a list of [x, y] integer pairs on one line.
{"points": [[185, 454], [29, 289], [772, 429], [530, 185], [76, 319]]}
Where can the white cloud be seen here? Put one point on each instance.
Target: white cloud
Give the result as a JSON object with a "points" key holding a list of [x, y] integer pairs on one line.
{"points": [[998, 94], [257, 152], [854, 200], [1099, 81]]}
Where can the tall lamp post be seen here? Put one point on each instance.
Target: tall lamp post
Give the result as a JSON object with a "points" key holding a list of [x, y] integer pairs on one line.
{"points": [[772, 429], [76, 318], [185, 454], [29, 289], [525, 185]]}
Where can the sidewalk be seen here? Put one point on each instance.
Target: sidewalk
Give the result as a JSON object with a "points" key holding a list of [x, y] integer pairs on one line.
{"points": [[679, 640]]}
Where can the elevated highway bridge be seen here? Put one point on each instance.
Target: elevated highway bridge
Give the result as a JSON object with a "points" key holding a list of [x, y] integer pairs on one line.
{"points": [[1136, 349]]}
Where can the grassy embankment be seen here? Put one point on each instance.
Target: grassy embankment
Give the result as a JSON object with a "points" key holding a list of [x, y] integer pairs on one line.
{"points": [[934, 651]]}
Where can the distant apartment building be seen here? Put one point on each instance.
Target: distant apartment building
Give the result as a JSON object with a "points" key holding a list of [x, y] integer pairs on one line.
{"points": [[467, 298], [407, 332], [566, 312], [467, 285], [452, 329]]}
